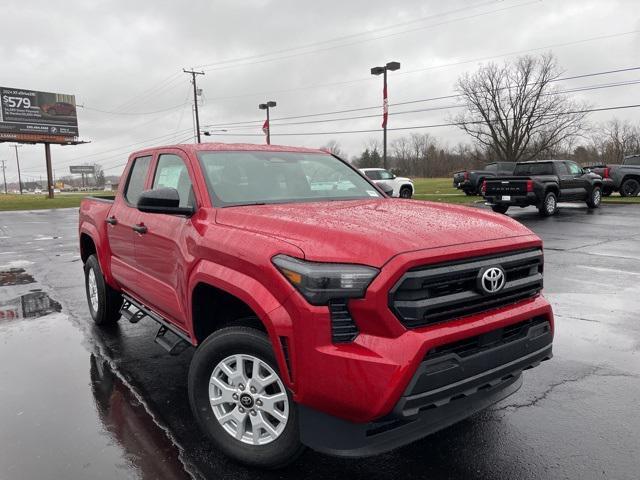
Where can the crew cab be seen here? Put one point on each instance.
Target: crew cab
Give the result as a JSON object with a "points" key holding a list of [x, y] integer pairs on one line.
{"points": [[624, 178], [543, 183], [333, 318], [470, 181], [399, 186]]}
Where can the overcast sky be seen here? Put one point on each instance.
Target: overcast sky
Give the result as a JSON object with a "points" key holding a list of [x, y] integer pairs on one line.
{"points": [[126, 57]]}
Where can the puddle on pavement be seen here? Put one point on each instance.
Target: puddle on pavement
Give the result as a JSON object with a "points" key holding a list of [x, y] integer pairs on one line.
{"points": [[15, 276], [30, 305]]}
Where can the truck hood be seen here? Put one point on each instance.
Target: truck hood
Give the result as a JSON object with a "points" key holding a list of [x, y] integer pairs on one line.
{"points": [[370, 231]]}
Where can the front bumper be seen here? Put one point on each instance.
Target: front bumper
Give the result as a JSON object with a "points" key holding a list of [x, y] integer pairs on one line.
{"points": [[448, 387]]}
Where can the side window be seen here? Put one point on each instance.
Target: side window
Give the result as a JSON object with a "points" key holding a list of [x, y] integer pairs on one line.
{"points": [[633, 160], [492, 167], [562, 168], [172, 172], [137, 176], [372, 174], [574, 168]]}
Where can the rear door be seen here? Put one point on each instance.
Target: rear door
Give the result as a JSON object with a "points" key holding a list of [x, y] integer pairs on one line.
{"points": [[123, 217], [162, 252]]}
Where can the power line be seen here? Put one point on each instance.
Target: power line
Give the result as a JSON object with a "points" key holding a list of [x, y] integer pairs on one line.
{"points": [[132, 113], [418, 127], [430, 67], [347, 37], [442, 97]]}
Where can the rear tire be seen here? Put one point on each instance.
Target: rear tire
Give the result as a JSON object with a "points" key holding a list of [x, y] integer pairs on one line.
{"points": [[104, 302], [214, 374], [500, 208], [630, 188], [549, 205], [595, 198]]}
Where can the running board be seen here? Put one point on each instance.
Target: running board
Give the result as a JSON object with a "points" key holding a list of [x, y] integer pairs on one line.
{"points": [[168, 337]]}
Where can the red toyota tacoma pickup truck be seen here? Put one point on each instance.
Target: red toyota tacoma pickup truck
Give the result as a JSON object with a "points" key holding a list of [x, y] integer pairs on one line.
{"points": [[323, 313]]}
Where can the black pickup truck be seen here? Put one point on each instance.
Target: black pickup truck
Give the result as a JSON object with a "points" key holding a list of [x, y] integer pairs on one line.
{"points": [[543, 184], [470, 181]]}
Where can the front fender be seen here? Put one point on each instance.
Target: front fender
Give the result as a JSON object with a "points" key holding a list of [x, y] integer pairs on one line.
{"points": [[269, 310]]}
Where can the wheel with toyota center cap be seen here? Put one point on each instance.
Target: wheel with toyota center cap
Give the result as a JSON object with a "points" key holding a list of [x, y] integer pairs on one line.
{"points": [[239, 399]]}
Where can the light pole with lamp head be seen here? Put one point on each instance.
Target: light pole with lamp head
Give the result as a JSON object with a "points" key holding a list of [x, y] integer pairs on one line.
{"points": [[391, 66], [267, 126]]}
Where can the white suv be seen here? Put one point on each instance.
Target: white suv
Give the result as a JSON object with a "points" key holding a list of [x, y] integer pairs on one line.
{"points": [[402, 187]]}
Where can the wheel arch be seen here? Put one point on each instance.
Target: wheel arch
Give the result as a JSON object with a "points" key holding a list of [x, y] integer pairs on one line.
{"points": [[214, 285], [91, 243]]}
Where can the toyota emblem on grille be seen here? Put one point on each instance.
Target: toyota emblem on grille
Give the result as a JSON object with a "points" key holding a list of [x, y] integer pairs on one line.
{"points": [[491, 280]]}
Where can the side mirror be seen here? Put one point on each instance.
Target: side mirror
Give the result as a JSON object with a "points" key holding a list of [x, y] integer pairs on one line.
{"points": [[162, 200]]}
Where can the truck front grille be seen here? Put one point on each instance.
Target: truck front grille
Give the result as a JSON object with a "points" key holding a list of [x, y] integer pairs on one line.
{"points": [[446, 291]]}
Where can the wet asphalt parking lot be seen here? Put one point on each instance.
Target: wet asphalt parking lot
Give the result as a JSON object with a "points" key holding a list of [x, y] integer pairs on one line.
{"points": [[81, 403]]}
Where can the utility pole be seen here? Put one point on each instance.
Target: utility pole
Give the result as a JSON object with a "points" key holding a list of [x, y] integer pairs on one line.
{"points": [[193, 74], [4, 176], [18, 163]]}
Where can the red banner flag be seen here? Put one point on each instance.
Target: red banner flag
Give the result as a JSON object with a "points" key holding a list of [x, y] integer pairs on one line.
{"points": [[265, 127], [385, 107]]}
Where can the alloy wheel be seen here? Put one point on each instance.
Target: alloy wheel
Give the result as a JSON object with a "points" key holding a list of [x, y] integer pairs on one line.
{"points": [[248, 399]]}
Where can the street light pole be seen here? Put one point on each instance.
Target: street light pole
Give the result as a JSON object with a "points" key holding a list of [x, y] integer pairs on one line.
{"points": [[18, 163], [391, 66], [267, 126]]}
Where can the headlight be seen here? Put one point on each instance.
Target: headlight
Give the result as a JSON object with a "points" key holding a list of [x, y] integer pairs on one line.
{"points": [[321, 282]]}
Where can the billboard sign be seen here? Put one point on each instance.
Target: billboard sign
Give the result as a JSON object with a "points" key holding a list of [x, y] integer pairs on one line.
{"points": [[37, 113], [87, 169]]}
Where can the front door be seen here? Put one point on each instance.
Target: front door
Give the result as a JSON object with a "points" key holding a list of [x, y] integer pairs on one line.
{"points": [[162, 252], [579, 182], [123, 217]]}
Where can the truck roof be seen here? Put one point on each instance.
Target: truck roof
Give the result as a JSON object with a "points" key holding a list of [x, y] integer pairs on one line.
{"points": [[231, 147], [543, 161]]}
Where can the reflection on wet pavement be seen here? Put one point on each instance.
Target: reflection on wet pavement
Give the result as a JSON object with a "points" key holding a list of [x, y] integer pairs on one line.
{"points": [[145, 443], [15, 276], [30, 305]]}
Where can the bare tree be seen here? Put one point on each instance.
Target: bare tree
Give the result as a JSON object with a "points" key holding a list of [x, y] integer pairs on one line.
{"points": [[333, 147], [515, 111]]}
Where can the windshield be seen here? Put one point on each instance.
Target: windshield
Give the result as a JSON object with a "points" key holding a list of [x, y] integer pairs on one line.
{"points": [[248, 178], [533, 169]]}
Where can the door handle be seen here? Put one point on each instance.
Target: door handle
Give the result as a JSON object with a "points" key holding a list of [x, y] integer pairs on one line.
{"points": [[140, 228], [111, 220]]}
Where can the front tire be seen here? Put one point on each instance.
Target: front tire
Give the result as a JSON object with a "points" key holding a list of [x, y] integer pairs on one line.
{"points": [[630, 188], [239, 399], [500, 208], [104, 302], [405, 192], [595, 198], [549, 205]]}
